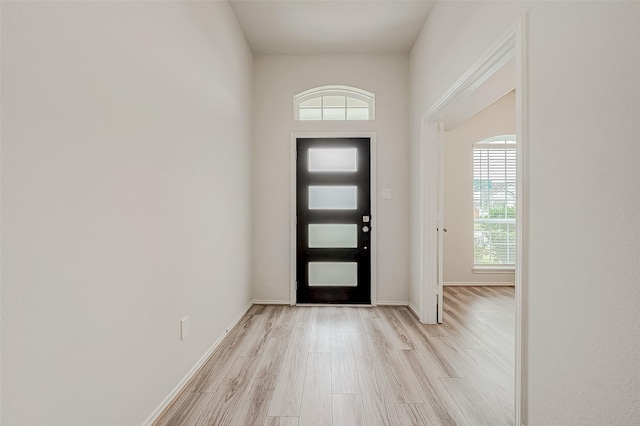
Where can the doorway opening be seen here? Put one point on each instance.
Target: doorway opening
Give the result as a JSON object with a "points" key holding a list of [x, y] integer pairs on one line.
{"points": [[479, 193], [510, 47]]}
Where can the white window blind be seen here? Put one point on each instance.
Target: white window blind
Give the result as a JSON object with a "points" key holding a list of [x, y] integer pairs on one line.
{"points": [[494, 201]]}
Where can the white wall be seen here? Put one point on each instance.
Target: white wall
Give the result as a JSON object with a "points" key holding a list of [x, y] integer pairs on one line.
{"points": [[277, 80], [126, 164], [496, 119], [583, 343]]}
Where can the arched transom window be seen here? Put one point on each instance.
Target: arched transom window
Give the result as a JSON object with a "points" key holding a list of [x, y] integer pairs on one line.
{"points": [[334, 103]]}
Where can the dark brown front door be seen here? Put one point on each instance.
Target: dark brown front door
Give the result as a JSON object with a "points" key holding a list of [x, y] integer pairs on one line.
{"points": [[333, 207]]}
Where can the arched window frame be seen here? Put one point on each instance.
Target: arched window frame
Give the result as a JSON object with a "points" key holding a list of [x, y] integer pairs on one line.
{"points": [[321, 92]]}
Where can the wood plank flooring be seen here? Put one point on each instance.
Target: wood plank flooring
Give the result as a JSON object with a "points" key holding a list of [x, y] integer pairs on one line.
{"points": [[345, 366]]}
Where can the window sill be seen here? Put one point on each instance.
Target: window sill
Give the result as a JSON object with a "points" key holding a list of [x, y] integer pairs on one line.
{"points": [[493, 269]]}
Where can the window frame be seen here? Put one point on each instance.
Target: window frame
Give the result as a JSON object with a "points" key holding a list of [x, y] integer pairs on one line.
{"points": [[501, 142], [346, 91]]}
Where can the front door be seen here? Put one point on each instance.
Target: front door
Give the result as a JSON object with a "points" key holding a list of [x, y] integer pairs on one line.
{"points": [[333, 207]]}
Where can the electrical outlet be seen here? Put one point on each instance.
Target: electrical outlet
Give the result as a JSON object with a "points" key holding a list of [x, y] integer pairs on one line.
{"points": [[184, 328], [385, 193]]}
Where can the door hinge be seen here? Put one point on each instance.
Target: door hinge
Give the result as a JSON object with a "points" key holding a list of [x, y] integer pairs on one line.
{"points": [[296, 285]]}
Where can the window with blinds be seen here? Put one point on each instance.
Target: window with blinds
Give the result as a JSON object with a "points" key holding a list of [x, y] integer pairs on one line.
{"points": [[494, 201]]}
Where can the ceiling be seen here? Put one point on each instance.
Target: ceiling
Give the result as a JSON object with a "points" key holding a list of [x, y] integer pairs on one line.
{"points": [[314, 27], [331, 26]]}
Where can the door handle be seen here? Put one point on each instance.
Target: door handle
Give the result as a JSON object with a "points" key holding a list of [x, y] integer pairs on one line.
{"points": [[365, 229]]}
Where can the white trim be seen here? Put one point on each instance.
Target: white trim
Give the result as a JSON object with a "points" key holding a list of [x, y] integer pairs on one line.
{"points": [[501, 52], [1, 375], [333, 305], [512, 44], [292, 218], [392, 303], [373, 158], [430, 219], [493, 270], [176, 390], [324, 90], [522, 220], [413, 310], [271, 302], [292, 206], [440, 224], [477, 284]]}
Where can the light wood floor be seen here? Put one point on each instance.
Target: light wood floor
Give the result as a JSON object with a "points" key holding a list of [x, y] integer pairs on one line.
{"points": [[338, 366]]}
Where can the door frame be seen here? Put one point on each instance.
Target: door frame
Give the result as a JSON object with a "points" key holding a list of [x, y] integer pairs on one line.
{"points": [[513, 44], [293, 198]]}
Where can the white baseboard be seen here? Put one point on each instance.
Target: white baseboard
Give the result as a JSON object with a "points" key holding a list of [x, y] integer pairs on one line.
{"points": [[414, 310], [165, 403], [391, 303], [476, 284], [271, 302], [333, 305]]}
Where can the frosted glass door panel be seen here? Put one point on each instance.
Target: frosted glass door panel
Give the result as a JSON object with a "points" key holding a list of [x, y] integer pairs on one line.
{"points": [[333, 197], [343, 274], [333, 160], [333, 236]]}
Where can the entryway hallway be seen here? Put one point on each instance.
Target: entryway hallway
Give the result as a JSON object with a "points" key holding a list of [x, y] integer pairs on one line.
{"points": [[284, 365]]}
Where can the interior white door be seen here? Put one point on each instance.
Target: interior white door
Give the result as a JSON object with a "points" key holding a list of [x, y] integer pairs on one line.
{"points": [[441, 226]]}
